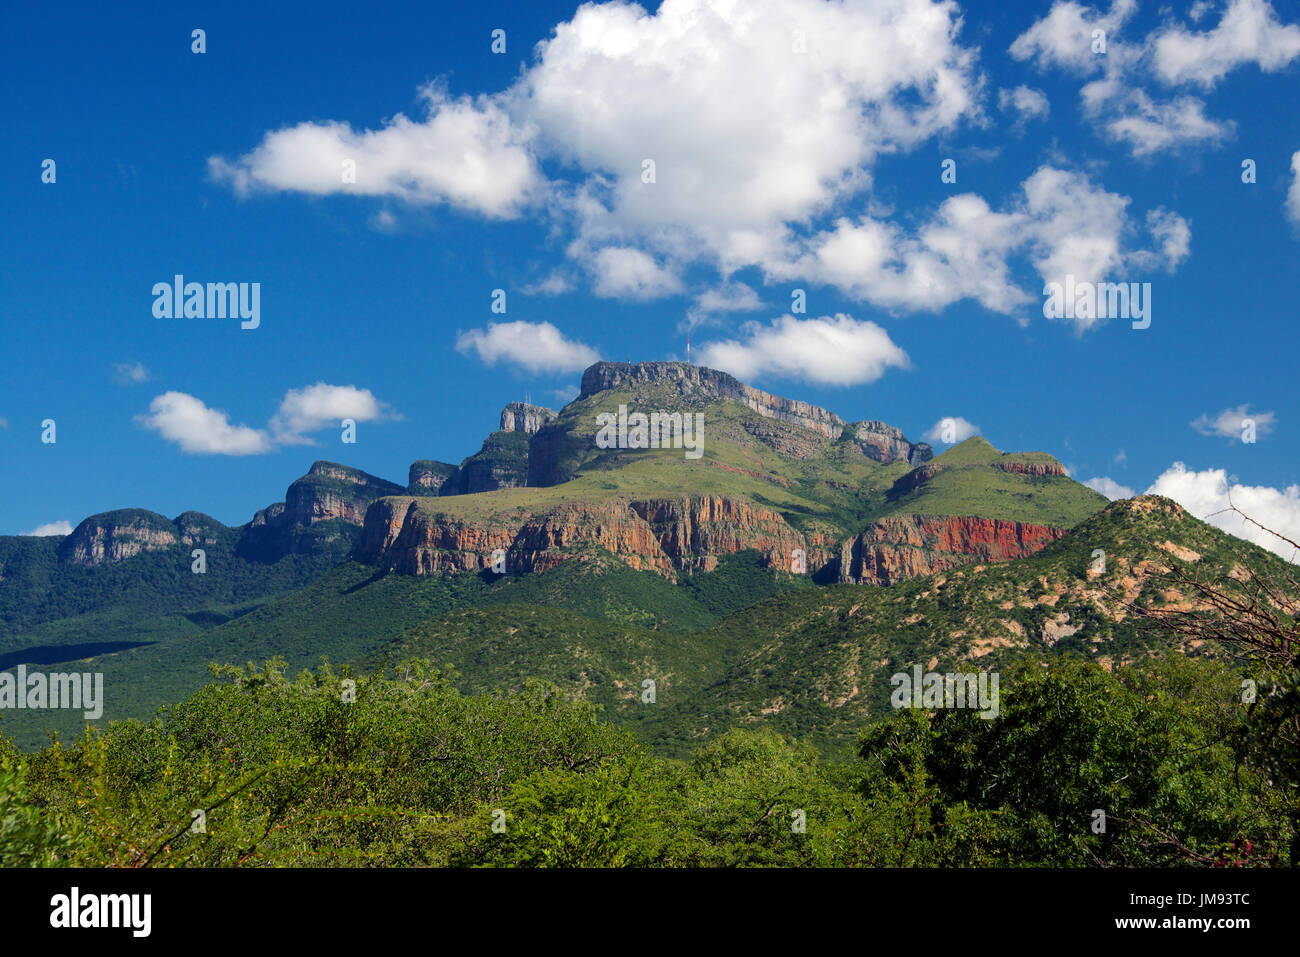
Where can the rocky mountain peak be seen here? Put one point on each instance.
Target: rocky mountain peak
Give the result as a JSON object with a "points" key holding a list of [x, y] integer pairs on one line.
{"points": [[525, 417], [879, 441]]}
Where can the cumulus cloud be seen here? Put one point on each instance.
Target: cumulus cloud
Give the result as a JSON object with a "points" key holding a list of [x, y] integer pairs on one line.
{"points": [[622, 272], [712, 303], [193, 426], [1118, 95], [466, 152], [950, 430], [1248, 33], [130, 373], [320, 405], [1026, 102], [1293, 193], [1109, 488], [1209, 493], [61, 527], [535, 346], [1173, 236], [1230, 423], [1061, 221], [756, 116], [831, 350], [743, 135], [198, 429]]}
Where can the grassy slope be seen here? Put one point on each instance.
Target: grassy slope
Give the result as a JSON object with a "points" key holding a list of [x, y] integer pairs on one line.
{"points": [[967, 483]]}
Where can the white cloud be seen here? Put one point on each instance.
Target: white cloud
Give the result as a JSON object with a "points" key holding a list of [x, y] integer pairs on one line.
{"points": [[757, 115], [555, 283], [1293, 193], [536, 346], [467, 152], [4, 423], [1150, 126], [1230, 422], [1207, 494], [129, 373], [1109, 488], [728, 297], [747, 134], [317, 406], [1061, 222], [1028, 103], [1249, 32], [950, 430], [1064, 38], [623, 272], [189, 423], [831, 350], [764, 121], [61, 527], [193, 426], [1117, 96], [1174, 236]]}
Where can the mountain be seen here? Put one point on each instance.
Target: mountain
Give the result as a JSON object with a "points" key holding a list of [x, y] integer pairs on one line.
{"points": [[775, 576]]}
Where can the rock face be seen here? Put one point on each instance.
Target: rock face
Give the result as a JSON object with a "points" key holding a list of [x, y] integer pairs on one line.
{"points": [[884, 443], [895, 549], [522, 417], [122, 534], [114, 536], [879, 441], [427, 476], [330, 491], [1032, 468], [664, 535]]}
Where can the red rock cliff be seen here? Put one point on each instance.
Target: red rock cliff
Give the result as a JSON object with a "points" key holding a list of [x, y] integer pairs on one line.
{"points": [[895, 549]]}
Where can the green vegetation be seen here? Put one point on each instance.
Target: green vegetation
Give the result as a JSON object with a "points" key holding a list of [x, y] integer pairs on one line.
{"points": [[402, 770]]}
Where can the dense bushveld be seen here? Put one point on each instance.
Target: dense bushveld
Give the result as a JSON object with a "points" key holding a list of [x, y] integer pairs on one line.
{"points": [[400, 769]]}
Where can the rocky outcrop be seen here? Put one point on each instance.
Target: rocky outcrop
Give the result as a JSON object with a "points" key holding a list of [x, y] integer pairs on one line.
{"points": [[879, 441], [118, 535], [329, 491], [914, 479], [114, 536], [526, 418], [884, 443], [1032, 468], [895, 549], [427, 476], [664, 535]]}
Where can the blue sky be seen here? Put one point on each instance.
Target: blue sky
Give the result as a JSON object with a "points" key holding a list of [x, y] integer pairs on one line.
{"points": [[797, 144]]}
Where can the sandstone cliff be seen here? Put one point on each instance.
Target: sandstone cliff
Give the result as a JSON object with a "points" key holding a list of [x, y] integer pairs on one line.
{"points": [[895, 549], [664, 535], [124, 533]]}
